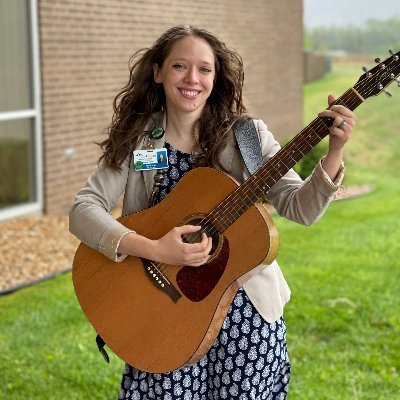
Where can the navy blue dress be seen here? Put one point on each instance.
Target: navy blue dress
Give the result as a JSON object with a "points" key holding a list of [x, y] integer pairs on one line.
{"points": [[248, 360]]}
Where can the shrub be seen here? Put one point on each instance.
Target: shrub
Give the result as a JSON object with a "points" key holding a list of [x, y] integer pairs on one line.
{"points": [[306, 165]]}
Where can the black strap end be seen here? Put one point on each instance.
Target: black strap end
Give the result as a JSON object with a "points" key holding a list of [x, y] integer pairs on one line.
{"points": [[100, 345]]}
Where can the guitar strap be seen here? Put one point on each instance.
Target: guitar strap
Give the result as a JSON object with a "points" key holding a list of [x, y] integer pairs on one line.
{"points": [[247, 138], [100, 345]]}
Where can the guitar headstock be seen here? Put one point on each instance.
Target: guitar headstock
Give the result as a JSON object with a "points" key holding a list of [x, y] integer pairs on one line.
{"points": [[378, 78]]}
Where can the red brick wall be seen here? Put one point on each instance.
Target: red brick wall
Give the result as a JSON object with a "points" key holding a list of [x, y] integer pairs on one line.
{"points": [[85, 46]]}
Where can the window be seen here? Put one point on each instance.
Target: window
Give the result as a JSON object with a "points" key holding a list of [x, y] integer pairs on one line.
{"points": [[20, 133]]}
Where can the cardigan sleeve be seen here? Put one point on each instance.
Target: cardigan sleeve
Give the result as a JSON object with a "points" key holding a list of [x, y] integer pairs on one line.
{"points": [[90, 218], [300, 201]]}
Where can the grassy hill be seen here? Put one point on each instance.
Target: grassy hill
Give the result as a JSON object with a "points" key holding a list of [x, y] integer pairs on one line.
{"points": [[344, 272]]}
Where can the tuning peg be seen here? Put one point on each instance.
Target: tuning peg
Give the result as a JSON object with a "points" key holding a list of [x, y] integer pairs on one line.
{"points": [[369, 74], [378, 61], [388, 94], [380, 87], [392, 76], [396, 57]]}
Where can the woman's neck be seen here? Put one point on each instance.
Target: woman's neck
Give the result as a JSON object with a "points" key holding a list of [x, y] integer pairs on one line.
{"points": [[180, 131]]}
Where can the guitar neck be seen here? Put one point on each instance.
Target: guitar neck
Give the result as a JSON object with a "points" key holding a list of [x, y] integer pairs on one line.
{"points": [[247, 194]]}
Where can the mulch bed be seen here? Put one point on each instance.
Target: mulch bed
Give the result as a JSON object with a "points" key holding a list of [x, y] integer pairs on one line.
{"points": [[39, 247], [34, 248]]}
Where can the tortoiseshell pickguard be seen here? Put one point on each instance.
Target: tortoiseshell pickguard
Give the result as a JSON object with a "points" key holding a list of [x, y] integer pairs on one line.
{"points": [[196, 283]]}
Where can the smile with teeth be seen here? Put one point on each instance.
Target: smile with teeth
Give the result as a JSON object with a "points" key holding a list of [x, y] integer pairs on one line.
{"points": [[189, 93]]}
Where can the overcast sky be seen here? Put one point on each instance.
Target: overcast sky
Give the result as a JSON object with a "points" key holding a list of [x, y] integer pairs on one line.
{"points": [[345, 12]]}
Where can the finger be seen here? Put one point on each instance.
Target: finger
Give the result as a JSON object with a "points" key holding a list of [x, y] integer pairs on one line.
{"points": [[197, 258], [188, 229], [342, 134], [339, 122], [331, 99], [337, 110], [187, 233], [209, 245], [199, 262], [338, 117], [344, 124], [199, 250], [342, 110], [201, 241], [205, 240], [196, 247]]}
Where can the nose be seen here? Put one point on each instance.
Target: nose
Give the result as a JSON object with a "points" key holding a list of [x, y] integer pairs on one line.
{"points": [[192, 75]]}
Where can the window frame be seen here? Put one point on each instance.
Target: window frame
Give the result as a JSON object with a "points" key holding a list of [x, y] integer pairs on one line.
{"points": [[34, 113]]}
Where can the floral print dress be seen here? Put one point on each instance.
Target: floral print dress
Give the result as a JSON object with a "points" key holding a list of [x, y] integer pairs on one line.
{"points": [[247, 361]]}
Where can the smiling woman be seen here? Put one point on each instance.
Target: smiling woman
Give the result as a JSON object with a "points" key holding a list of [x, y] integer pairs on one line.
{"points": [[188, 86], [187, 76]]}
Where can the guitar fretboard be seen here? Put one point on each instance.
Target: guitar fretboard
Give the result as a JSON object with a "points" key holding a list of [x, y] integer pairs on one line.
{"points": [[247, 194]]}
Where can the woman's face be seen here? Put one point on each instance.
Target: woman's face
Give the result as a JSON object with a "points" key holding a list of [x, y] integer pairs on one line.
{"points": [[187, 75]]}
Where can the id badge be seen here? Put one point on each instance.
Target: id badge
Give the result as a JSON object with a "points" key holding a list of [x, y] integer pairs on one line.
{"points": [[149, 159]]}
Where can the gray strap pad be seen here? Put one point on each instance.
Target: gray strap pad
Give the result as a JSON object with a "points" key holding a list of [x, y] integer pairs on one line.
{"points": [[249, 145]]}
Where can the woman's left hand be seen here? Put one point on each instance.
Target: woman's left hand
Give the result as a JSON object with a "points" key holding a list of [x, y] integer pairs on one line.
{"points": [[340, 132], [343, 124]]}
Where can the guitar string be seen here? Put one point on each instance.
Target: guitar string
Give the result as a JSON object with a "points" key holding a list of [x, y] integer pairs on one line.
{"points": [[304, 146], [304, 143], [248, 189], [317, 123], [341, 100], [233, 200]]}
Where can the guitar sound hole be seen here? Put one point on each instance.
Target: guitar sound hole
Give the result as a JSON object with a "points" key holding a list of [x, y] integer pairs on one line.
{"points": [[207, 228], [196, 283]]}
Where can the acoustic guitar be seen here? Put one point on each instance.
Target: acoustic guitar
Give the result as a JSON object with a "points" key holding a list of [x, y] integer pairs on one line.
{"points": [[160, 317]]}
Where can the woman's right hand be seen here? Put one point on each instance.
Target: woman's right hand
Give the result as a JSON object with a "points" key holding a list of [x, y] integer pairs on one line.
{"points": [[169, 249]]}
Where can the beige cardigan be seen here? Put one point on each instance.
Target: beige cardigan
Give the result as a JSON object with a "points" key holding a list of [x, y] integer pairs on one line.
{"points": [[304, 202]]}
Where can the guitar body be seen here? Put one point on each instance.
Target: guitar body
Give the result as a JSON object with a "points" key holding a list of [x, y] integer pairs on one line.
{"points": [[159, 317], [143, 325]]}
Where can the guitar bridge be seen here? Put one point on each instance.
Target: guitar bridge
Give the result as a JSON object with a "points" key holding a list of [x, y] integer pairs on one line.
{"points": [[159, 280]]}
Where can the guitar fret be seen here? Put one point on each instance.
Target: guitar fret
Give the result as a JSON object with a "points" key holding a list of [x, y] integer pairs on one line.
{"points": [[234, 205], [290, 162], [274, 176], [342, 100]]}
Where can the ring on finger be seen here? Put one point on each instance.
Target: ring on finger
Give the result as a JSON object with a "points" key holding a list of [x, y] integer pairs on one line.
{"points": [[342, 124]]}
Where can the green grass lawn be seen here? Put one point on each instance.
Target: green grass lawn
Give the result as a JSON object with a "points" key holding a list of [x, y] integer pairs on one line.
{"points": [[344, 272], [48, 349]]}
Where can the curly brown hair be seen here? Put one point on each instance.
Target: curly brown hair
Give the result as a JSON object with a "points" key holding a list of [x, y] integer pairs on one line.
{"points": [[141, 97]]}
